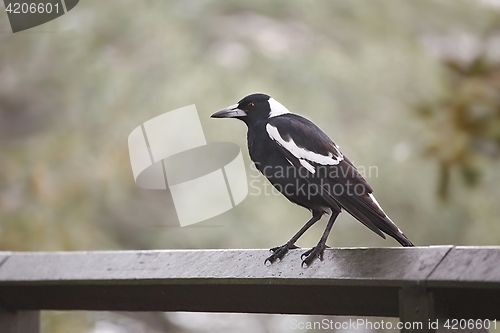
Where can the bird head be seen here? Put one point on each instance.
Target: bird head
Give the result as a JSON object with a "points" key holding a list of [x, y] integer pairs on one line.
{"points": [[253, 108]]}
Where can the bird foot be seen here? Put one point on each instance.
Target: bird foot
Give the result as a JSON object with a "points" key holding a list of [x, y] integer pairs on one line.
{"points": [[279, 252], [312, 254]]}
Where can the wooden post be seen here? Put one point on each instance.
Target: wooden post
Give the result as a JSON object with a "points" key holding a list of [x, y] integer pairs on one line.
{"points": [[422, 312], [19, 321], [416, 310]]}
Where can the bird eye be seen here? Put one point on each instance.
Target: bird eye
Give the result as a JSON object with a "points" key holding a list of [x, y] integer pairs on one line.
{"points": [[250, 105]]}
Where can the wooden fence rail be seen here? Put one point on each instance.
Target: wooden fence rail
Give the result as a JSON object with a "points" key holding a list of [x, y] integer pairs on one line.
{"points": [[419, 284]]}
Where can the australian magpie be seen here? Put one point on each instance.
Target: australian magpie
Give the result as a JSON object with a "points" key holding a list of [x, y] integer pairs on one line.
{"points": [[308, 168]]}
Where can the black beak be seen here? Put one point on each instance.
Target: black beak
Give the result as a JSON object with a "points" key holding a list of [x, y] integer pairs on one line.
{"points": [[229, 112]]}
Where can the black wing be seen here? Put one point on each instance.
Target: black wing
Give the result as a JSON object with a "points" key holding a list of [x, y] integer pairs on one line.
{"points": [[307, 146]]}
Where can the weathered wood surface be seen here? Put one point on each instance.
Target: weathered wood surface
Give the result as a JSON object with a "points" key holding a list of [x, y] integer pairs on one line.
{"points": [[350, 281]]}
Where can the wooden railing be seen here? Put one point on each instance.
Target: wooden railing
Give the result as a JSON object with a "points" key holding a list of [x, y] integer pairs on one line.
{"points": [[421, 284]]}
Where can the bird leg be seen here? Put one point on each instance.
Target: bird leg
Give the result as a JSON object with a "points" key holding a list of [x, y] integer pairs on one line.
{"points": [[280, 251], [317, 251]]}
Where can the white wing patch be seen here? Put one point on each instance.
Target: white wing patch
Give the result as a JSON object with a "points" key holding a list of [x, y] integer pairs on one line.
{"points": [[277, 109], [378, 205], [376, 202], [305, 156], [307, 165]]}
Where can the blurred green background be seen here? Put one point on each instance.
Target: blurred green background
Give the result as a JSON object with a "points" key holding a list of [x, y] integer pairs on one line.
{"points": [[410, 88]]}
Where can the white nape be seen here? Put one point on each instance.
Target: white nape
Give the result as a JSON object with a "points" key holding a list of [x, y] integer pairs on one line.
{"points": [[277, 109]]}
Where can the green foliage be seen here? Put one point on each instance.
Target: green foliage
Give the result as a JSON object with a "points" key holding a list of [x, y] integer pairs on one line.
{"points": [[465, 122]]}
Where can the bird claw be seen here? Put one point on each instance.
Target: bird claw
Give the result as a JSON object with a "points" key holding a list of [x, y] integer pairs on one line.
{"points": [[279, 252], [312, 254]]}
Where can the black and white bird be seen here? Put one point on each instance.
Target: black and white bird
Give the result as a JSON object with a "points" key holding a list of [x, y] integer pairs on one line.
{"points": [[308, 168]]}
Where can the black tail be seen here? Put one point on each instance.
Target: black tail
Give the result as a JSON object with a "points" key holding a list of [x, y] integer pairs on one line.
{"points": [[367, 211]]}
